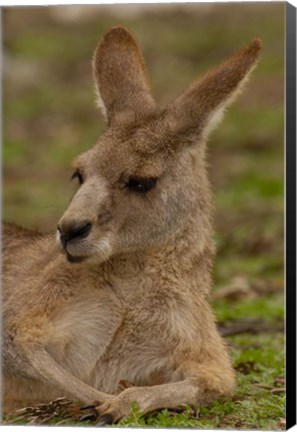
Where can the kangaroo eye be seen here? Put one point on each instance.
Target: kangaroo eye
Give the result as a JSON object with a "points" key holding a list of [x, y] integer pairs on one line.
{"points": [[77, 175], [141, 185]]}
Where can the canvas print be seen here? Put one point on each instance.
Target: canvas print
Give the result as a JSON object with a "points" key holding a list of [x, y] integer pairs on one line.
{"points": [[143, 279]]}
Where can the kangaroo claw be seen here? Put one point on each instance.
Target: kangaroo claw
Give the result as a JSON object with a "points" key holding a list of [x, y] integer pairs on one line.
{"points": [[105, 420], [88, 406], [89, 416]]}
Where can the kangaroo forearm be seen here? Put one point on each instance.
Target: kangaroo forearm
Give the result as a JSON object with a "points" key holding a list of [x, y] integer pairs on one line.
{"points": [[52, 372]]}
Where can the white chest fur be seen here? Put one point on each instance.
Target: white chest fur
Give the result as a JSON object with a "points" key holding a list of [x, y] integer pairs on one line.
{"points": [[102, 338], [81, 332]]}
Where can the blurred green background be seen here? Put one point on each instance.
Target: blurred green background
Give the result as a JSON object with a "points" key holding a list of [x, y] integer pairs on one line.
{"points": [[50, 117]]}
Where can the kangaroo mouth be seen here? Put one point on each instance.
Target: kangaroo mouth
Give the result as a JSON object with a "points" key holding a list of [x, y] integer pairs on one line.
{"points": [[78, 251], [74, 259], [64, 249], [74, 254]]}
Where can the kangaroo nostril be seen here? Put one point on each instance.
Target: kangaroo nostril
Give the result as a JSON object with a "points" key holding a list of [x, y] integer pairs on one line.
{"points": [[81, 231], [74, 231]]}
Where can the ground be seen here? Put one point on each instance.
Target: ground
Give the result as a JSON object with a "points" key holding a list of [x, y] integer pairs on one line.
{"points": [[50, 117]]}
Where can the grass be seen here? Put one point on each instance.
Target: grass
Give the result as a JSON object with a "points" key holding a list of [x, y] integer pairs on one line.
{"points": [[268, 309], [49, 117]]}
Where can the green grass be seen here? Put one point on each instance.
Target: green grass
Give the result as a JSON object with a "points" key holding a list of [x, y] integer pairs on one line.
{"points": [[269, 308], [251, 407], [50, 117]]}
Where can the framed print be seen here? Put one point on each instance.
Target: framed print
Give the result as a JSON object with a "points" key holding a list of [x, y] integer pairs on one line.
{"points": [[144, 263]]}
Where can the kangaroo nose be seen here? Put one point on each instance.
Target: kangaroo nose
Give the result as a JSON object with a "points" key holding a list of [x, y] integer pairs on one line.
{"points": [[74, 230]]}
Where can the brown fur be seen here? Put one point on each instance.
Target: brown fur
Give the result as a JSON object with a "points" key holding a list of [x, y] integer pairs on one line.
{"points": [[134, 309]]}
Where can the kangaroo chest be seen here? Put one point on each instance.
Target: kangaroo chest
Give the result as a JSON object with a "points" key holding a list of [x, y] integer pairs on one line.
{"points": [[103, 338]]}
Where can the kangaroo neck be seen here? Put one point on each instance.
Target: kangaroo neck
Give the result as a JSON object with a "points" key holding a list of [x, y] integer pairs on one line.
{"points": [[188, 256]]}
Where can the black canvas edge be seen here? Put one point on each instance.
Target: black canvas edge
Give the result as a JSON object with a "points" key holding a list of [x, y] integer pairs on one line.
{"points": [[290, 218]]}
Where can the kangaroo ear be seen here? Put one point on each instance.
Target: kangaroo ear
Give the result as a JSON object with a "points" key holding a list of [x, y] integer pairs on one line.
{"points": [[200, 108], [120, 79]]}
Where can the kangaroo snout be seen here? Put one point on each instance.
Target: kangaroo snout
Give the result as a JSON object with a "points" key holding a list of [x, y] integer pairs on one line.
{"points": [[73, 229]]}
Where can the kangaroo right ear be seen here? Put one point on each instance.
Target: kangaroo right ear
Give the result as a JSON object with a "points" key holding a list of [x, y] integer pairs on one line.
{"points": [[120, 79]]}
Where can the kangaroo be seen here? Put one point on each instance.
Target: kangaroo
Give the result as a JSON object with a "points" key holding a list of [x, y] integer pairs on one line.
{"points": [[121, 295]]}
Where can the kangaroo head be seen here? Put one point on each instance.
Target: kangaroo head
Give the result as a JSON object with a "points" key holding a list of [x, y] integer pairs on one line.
{"points": [[145, 178]]}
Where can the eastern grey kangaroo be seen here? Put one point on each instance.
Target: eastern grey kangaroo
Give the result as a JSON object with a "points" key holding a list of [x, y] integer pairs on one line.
{"points": [[122, 291]]}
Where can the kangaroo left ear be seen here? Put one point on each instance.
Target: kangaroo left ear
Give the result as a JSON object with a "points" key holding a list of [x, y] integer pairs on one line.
{"points": [[199, 109]]}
